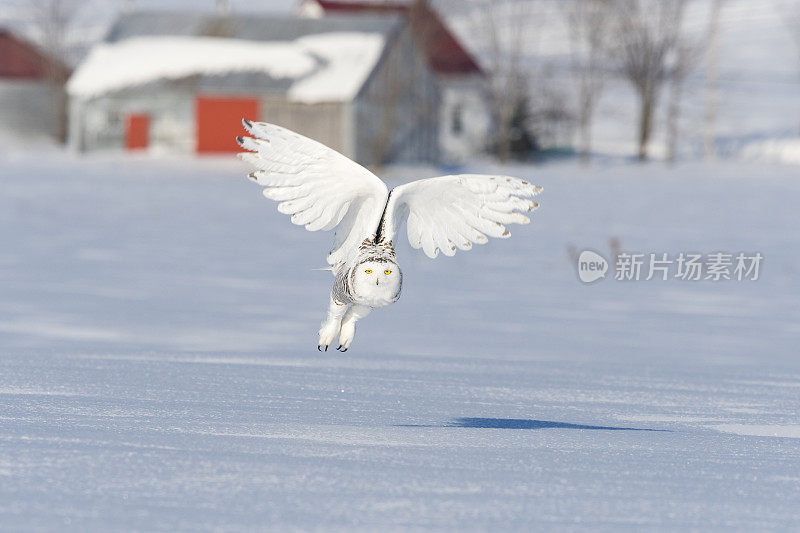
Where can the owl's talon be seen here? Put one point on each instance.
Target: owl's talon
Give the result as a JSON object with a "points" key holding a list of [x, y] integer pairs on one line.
{"points": [[319, 348], [326, 347]]}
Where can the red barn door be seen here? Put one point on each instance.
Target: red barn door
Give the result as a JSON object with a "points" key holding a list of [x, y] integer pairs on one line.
{"points": [[219, 121], [137, 131]]}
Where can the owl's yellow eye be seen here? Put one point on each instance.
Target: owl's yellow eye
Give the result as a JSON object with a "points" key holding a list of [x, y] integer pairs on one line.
{"points": [[368, 271], [387, 272]]}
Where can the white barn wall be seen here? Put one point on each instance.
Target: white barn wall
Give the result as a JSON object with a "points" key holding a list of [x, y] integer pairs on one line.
{"points": [[27, 108], [99, 123], [324, 122], [397, 111]]}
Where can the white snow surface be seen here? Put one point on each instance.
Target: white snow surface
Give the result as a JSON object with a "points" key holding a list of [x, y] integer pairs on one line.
{"points": [[789, 432], [774, 150], [159, 371], [324, 67]]}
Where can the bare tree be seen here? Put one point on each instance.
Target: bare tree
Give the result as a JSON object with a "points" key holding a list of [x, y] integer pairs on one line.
{"points": [[550, 119], [507, 34], [507, 25], [792, 19], [51, 20], [683, 59], [712, 62], [588, 25], [646, 33]]}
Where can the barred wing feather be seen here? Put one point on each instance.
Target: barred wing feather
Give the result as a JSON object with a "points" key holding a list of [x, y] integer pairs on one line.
{"points": [[453, 212], [320, 188]]}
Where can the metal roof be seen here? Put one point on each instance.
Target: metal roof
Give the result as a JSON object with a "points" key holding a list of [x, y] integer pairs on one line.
{"points": [[247, 26], [23, 59]]}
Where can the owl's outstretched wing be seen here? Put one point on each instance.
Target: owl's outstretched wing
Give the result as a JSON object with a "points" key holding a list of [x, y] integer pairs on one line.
{"points": [[319, 187], [450, 212]]}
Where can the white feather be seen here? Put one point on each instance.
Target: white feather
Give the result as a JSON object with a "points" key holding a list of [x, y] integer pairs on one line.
{"points": [[450, 212], [321, 189], [316, 186]]}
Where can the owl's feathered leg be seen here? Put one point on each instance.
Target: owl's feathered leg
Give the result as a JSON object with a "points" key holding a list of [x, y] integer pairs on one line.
{"points": [[356, 313], [331, 324]]}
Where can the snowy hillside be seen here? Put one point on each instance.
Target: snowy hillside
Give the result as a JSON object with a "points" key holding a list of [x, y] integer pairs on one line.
{"points": [[159, 368]]}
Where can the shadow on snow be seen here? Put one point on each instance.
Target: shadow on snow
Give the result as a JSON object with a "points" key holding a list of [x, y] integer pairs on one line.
{"points": [[521, 423]]}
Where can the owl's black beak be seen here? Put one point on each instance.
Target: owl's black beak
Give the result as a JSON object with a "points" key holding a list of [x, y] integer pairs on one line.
{"points": [[376, 281]]}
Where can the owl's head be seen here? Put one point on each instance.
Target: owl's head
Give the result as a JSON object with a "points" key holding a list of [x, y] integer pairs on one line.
{"points": [[377, 279]]}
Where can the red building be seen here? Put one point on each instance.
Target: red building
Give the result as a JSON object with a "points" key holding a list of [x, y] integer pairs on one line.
{"points": [[27, 77]]}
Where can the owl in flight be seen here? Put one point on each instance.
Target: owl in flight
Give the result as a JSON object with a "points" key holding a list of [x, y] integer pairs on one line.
{"points": [[322, 189]]}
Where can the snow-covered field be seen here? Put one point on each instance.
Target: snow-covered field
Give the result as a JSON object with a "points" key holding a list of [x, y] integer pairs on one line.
{"points": [[159, 371]]}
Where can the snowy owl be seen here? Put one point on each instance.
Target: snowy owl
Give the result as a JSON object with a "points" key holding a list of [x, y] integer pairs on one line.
{"points": [[322, 189]]}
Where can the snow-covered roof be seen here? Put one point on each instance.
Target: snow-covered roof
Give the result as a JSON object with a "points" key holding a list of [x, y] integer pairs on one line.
{"points": [[320, 67]]}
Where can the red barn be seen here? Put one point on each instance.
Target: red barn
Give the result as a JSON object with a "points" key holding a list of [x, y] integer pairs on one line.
{"points": [[27, 76]]}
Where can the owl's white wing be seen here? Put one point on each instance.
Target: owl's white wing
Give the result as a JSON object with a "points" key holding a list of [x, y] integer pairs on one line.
{"points": [[319, 187], [449, 212]]}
